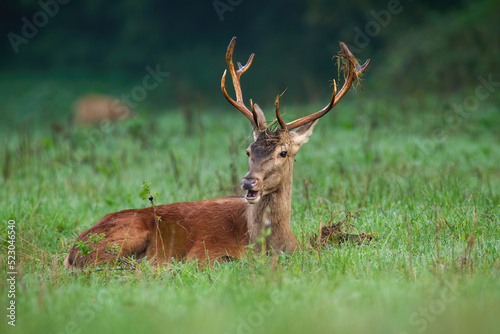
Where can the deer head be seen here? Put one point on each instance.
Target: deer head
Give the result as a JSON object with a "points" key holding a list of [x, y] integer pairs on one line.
{"points": [[271, 155]]}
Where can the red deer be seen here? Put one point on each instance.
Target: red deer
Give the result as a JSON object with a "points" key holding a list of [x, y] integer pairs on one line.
{"points": [[92, 109], [217, 229]]}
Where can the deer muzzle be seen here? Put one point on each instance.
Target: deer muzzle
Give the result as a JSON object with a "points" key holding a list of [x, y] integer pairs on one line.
{"points": [[251, 185]]}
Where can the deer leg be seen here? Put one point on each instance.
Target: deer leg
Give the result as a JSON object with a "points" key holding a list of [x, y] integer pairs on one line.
{"points": [[209, 256]]}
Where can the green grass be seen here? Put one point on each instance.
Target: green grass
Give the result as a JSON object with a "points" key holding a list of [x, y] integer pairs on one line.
{"points": [[382, 159]]}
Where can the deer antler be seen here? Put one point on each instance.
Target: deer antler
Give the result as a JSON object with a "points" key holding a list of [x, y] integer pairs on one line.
{"points": [[278, 116], [235, 76], [355, 71]]}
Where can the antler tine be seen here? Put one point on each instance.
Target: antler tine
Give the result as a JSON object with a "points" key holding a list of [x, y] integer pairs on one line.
{"points": [[355, 71], [278, 116], [235, 76]]}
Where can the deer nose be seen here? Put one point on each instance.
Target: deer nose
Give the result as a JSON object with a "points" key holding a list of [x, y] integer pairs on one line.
{"points": [[249, 184]]}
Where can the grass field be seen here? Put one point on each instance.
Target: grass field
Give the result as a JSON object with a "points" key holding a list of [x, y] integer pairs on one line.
{"points": [[421, 177]]}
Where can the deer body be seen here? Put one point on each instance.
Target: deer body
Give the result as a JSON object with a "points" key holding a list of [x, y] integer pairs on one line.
{"points": [[216, 229], [208, 229]]}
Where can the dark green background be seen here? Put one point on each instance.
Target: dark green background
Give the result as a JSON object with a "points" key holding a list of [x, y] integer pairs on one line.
{"points": [[437, 47]]}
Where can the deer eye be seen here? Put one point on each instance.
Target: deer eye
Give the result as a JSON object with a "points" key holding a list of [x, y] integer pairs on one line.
{"points": [[283, 154], [248, 153]]}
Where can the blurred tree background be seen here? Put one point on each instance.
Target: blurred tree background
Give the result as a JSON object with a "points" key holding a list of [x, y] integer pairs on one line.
{"points": [[416, 47]]}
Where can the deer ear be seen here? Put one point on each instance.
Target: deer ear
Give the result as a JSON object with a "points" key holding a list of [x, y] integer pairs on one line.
{"points": [[302, 134], [259, 119]]}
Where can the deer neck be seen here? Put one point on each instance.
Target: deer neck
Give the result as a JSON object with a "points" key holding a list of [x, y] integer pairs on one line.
{"points": [[274, 208]]}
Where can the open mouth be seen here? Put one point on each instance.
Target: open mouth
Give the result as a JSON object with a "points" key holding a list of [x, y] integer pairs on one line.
{"points": [[253, 196]]}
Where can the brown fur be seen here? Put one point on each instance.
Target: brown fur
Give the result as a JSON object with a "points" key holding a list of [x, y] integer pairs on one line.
{"points": [[92, 109], [207, 230]]}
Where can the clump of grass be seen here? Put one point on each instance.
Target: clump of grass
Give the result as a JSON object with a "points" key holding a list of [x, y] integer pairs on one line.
{"points": [[335, 233]]}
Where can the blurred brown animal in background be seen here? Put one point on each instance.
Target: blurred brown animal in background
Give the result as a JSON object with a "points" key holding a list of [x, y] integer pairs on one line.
{"points": [[92, 109]]}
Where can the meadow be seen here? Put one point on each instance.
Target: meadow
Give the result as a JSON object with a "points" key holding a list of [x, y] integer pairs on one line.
{"points": [[421, 176]]}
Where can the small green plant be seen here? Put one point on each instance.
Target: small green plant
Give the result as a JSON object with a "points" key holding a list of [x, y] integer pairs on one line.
{"points": [[96, 238], [85, 246], [147, 194], [114, 249], [152, 197]]}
